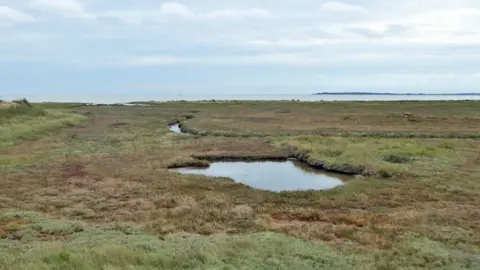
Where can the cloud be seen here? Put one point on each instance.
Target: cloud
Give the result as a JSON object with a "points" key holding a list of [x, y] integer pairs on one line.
{"points": [[216, 60], [147, 61], [8, 16], [457, 27], [163, 41], [293, 43], [127, 16], [236, 14], [342, 7], [453, 26], [389, 30], [177, 9], [265, 58], [172, 10], [65, 8]]}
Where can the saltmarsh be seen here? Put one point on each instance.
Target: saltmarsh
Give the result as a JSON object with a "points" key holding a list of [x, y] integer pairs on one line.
{"points": [[88, 187]]}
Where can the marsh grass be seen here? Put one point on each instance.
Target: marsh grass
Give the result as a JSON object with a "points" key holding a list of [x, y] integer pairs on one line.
{"points": [[35, 124], [100, 196], [18, 108], [360, 119], [110, 248], [378, 156], [124, 245]]}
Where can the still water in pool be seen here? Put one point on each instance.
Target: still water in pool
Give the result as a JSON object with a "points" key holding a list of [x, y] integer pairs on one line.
{"points": [[274, 176]]}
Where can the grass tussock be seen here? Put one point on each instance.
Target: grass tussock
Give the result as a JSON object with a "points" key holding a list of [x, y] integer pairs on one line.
{"points": [[37, 123], [381, 157], [20, 109]]}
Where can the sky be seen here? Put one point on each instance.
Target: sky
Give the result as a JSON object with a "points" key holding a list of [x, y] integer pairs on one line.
{"points": [[147, 47]]}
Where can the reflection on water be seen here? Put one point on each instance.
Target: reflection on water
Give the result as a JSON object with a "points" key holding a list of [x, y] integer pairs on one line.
{"points": [[175, 128], [274, 176]]}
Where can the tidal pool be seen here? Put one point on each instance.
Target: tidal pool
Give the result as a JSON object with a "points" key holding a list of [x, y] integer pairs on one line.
{"points": [[274, 176], [175, 128]]}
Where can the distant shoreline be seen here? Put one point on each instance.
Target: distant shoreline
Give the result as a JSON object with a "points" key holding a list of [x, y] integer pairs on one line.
{"points": [[393, 94]]}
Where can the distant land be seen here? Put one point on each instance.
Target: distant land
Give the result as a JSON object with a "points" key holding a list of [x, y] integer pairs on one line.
{"points": [[395, 94]]}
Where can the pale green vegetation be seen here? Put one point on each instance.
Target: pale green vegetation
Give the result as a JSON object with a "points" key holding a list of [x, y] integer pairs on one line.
{"points": [[22, 121], [379, 156], [125, 246], [28, 128]]}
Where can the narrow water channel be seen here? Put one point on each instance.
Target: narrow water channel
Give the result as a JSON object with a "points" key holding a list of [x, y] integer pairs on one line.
{"points": [[274, 176]]}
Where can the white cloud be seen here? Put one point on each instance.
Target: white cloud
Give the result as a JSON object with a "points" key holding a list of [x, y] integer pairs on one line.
{"points": [[171, 10], [65, 8], [342, 7], [453, 26], [301, 59], [177, 9], [431, 27], [146, 61], [8, 15], [281, 58], [289, 59], [290, 42], [216, 60], [22, 37], [236, 14], [126, 16]]}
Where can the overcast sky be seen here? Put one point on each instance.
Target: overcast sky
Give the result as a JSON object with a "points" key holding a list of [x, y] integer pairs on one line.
{"points": [[214, 46]]}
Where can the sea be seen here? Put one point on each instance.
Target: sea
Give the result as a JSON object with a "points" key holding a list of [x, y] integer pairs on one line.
{"points": [[110, 99]]}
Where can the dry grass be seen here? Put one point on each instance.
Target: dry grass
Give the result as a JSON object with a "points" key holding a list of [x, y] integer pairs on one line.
{"points": [[8, 105], [416, 206]]}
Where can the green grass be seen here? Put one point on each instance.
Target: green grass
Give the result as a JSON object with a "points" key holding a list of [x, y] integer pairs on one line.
{"points": [[127, 247], [32, 126], [115, 247], [379, 156], [18, 108], [114, 250], [62, 106]]}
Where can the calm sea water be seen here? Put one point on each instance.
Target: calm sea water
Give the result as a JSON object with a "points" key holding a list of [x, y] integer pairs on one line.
{"points": [[302, 97]]}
